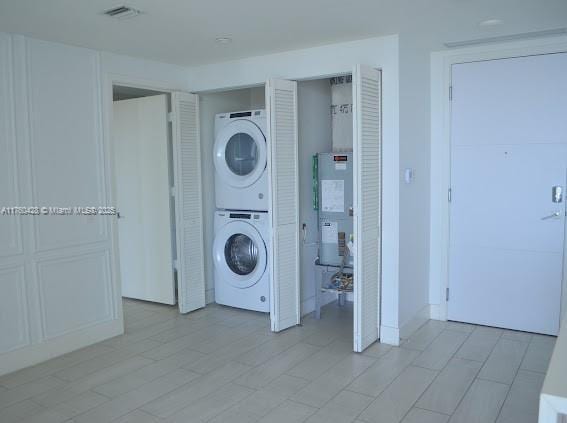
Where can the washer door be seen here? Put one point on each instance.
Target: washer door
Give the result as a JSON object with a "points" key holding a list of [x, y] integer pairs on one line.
{"points": [[239, 254], [240, 153]]}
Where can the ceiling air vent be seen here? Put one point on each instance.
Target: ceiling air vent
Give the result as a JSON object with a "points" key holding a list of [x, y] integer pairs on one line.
{"points": [[122, 12]]}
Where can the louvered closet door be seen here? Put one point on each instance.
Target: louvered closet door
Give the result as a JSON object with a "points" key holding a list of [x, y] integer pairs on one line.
{"points": [[188, 202], [367, 147], [281, 102]]}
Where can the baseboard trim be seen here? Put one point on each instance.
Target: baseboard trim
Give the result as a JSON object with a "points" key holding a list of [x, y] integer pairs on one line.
{"points": [[38, 353], [389, 335]]}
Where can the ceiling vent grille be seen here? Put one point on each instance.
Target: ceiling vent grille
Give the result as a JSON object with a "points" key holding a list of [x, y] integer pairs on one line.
{"points": [[122, 12]]}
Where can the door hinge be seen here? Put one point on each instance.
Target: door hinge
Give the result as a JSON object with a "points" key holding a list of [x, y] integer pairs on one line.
{"points": [[450, 93], [170, 116], [447, 294], [172, 191], [449, 194], [175, 265]]}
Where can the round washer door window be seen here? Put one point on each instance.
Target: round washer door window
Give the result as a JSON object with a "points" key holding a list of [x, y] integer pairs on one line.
{"points": [[240, 153], [241, 254]]}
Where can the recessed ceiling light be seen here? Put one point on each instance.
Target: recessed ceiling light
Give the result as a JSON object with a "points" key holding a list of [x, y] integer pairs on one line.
{"points": [[223, 40], [491, 22]]}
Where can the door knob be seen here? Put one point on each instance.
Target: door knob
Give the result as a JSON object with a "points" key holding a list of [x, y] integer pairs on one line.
{"points": [[551, 216]]}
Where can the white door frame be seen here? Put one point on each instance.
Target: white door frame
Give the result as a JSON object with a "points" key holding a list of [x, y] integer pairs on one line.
{"points": [[441, 63], [108, 82]]}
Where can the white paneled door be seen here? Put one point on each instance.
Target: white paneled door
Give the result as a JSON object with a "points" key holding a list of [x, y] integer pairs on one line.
{"points": [[140, 131], [188, 201], [281, 105], [367, 147], [508, 179]]}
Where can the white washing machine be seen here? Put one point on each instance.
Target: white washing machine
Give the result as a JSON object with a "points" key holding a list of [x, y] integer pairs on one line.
{"points": [[240, 255], [240, 158]]}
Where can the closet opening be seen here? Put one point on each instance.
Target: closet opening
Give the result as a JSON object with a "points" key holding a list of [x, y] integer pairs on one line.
{"points": [[233, 127], [325, 138], [291, 192], [143, 177]]}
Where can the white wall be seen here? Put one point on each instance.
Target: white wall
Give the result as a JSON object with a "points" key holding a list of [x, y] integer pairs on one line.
{"points": [[211, 104], [58, 274], [414, 197], [314, 63]]}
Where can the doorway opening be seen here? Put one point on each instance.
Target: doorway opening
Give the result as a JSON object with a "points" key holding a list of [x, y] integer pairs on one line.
{"points": [[325, 137], [143, 169]]}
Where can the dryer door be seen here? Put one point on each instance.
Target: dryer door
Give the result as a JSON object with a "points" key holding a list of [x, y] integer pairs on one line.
{"points": [[239, 254], [240, 153]]}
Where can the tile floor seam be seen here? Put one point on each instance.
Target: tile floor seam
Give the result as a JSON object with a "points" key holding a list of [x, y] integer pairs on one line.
{"points": [[513, 380], [270, 358], [432, 411], [440, 371], [411, 364], [299, 377], [384, 390], [429, 343], [450, 358], [430, 383], [99, 393], [359, 393]]}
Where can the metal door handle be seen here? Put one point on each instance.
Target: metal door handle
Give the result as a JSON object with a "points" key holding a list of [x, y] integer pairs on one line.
{"points": [[551, 216]]}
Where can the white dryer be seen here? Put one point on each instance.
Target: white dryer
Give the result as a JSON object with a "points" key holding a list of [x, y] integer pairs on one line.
{"points": [[240, 158], [240, 255]]}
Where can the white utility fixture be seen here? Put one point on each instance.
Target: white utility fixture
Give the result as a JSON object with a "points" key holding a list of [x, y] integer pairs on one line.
{"points": [[240, 254], [507, 217], [240, 159]]}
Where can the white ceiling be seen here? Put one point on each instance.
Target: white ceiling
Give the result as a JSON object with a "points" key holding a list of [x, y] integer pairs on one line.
{"points": [[184, 31]]}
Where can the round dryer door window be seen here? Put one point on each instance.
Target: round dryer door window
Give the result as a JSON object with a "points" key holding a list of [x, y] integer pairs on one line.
{"points": [[239, 254], [240, 153]]}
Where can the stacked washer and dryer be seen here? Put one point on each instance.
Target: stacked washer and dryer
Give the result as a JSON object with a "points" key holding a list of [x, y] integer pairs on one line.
{"points": [[241, 225]]}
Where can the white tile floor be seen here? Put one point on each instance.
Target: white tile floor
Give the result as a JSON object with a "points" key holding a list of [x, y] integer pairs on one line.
{"points": [[224, 365]]}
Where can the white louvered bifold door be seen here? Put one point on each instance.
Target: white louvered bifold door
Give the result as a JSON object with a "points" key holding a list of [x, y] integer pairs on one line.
{"points": [[188, 201], [281, 105], [367, 147]]}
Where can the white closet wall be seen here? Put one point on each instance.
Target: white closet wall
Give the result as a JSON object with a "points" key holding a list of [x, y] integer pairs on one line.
{"points": [[210, 105]]}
